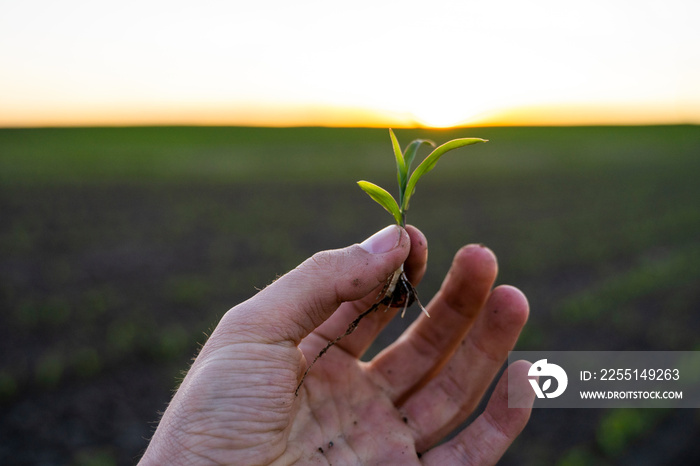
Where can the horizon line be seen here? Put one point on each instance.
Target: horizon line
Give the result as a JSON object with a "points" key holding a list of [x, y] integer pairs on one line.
{"points": [[127, 125], [349, 117]]}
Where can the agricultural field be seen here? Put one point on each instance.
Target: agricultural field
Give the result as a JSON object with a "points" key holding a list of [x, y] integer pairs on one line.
{"points": [[120, 248]]}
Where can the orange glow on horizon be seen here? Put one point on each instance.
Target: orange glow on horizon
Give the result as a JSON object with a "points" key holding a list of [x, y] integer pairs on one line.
{"points": [[593, 115], [337, 116]]}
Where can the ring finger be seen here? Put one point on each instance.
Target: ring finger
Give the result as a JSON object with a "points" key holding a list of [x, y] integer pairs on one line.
{"points": [[448, 399]]}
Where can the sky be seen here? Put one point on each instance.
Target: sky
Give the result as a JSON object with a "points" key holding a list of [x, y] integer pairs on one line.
{"points": [[365, 62]]}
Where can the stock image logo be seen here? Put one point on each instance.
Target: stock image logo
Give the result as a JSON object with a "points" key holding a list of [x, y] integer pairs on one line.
{"points": [[546, 372]]}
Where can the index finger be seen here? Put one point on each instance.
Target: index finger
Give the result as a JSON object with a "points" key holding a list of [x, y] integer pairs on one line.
{"points": [[372, 324]]}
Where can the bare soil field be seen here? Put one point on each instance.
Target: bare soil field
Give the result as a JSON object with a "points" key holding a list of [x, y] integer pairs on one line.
{"points": [[121, 248]]}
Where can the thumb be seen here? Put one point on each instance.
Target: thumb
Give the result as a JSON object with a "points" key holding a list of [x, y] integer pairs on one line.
{"points": [[298, 302]]}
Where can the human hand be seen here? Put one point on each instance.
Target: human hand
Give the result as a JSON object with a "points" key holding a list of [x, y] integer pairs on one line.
{"points": [[237, 405]]}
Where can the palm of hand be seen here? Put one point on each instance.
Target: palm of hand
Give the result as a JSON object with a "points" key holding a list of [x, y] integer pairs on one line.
{"points": [[340, 416], [344, 417]]}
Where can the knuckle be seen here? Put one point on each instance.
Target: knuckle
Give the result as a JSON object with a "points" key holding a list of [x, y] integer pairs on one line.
{"points": [[325, 261]]}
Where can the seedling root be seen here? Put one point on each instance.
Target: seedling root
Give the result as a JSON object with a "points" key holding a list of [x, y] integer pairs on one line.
{"points": [[402, 294], [351, 328]]}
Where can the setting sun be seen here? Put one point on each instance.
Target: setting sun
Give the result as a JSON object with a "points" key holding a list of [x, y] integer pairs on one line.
{"points": [[444, 116]]}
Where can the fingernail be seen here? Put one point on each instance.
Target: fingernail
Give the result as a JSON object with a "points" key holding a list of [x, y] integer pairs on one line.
{"points": [[382, 241]]}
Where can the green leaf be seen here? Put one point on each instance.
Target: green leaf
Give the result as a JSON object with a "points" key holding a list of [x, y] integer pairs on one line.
{"points": [[429, 163], [411, 150], [383, 198], [408, 156], [401, 169]]}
